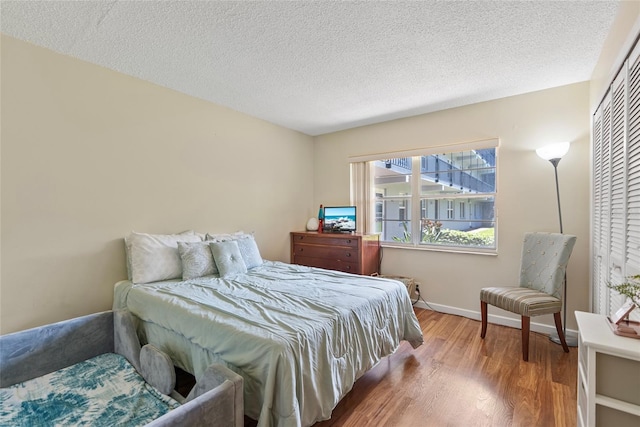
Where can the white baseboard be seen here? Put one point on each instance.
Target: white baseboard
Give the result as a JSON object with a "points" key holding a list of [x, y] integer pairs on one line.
{"points": [[498, 320]]}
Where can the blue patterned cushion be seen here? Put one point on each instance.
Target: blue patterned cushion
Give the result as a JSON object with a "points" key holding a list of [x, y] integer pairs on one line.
{"points": [[103, 391]]}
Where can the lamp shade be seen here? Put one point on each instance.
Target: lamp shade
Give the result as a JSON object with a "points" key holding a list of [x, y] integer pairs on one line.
{"points": [[553, 151]]}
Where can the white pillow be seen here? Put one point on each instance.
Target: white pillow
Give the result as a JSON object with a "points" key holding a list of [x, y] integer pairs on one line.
{"points": [[155, 257], [127, 248], [197, 260], [221, 237]]}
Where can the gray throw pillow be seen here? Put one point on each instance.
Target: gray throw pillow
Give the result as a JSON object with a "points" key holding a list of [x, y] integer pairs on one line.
{"points": [[197, 260], [249, 251], [228, 258]]}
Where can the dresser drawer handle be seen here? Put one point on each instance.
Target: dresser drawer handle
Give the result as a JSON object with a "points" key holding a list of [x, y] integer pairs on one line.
{"points": [[348, 267], [348, 254], [348, 240]]}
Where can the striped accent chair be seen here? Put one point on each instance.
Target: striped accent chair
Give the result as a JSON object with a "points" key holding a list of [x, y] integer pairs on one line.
{"points": [[542, 273]]}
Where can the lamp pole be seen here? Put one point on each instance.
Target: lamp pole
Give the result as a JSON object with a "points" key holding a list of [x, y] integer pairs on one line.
{"points": [[571, 342], [553, 153], [555, 162]]}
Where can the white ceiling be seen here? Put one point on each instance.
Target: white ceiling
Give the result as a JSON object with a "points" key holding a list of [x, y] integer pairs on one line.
{"points": [[323, 66]]}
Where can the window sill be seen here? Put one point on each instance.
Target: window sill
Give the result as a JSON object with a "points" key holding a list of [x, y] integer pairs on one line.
{"points": [[448, 249]]}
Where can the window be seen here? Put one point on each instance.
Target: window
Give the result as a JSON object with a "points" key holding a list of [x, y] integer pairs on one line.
{"points": [[415, 198]]}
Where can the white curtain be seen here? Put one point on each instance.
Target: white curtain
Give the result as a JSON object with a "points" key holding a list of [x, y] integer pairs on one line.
{"points": [[361, 190]]}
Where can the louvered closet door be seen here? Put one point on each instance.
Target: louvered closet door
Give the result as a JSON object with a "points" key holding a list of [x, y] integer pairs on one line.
{"points": [[599, 298], [603, 172], [632, 262], [616, 187], [617, 220]]}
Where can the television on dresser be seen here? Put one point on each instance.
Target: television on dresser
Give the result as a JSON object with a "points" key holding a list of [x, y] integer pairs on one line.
{"points": [[339, 219]]}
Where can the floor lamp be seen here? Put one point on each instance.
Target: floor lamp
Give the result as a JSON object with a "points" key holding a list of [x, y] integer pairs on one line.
{"points": [[553, 153]]}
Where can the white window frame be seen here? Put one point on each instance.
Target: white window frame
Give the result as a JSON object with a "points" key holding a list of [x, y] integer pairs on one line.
{"points": [[362, 174]]}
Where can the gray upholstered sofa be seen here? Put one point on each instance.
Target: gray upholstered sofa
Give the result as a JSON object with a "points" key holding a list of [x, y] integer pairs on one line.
{"points": [[216, 399]]}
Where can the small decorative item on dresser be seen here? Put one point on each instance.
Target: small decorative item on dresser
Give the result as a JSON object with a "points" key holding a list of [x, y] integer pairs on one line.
{"points": [[621, 325], [619, 322], [320, 219], [630, 289], [312, 224]]}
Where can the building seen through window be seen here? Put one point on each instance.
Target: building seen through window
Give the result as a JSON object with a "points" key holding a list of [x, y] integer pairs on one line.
{"points": [[441, 199]]}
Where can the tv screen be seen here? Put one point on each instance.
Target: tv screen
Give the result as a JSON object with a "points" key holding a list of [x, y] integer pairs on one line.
{"points": [[339, 219]]}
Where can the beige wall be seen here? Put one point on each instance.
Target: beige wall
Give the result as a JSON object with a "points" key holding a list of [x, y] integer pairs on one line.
{"points": [[89, 154], [526, 189]]}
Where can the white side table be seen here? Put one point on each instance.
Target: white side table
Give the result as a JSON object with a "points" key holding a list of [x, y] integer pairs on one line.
{"points": [[608, 374]]}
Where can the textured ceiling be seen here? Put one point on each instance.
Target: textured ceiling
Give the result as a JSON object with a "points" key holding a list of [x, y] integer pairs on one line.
{"points": [[323, 66]]}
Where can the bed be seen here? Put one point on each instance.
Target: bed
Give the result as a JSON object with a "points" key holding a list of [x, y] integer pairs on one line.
{"points": [[299, 336]]}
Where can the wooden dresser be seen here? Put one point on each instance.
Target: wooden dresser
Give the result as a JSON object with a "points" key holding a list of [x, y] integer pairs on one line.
{"points": [[351, 253]]}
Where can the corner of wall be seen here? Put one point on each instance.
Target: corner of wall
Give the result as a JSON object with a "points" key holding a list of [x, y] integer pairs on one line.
{"points": [[624, 32]]}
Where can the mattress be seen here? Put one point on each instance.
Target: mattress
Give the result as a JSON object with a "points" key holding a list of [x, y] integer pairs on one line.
{"points": [[102, 391], [299, 336]]}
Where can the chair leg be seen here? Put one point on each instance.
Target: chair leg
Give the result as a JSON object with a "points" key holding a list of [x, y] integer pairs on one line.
{"points": [[483, 310], [563, 341], [525, 338]]}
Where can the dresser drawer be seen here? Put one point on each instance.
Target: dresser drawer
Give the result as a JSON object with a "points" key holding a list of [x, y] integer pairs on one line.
{"points": [[326, 240], [329, 264], [328, 252]]}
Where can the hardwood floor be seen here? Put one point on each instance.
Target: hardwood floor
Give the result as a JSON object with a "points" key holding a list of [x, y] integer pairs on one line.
{"points": [[457, 379]]}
